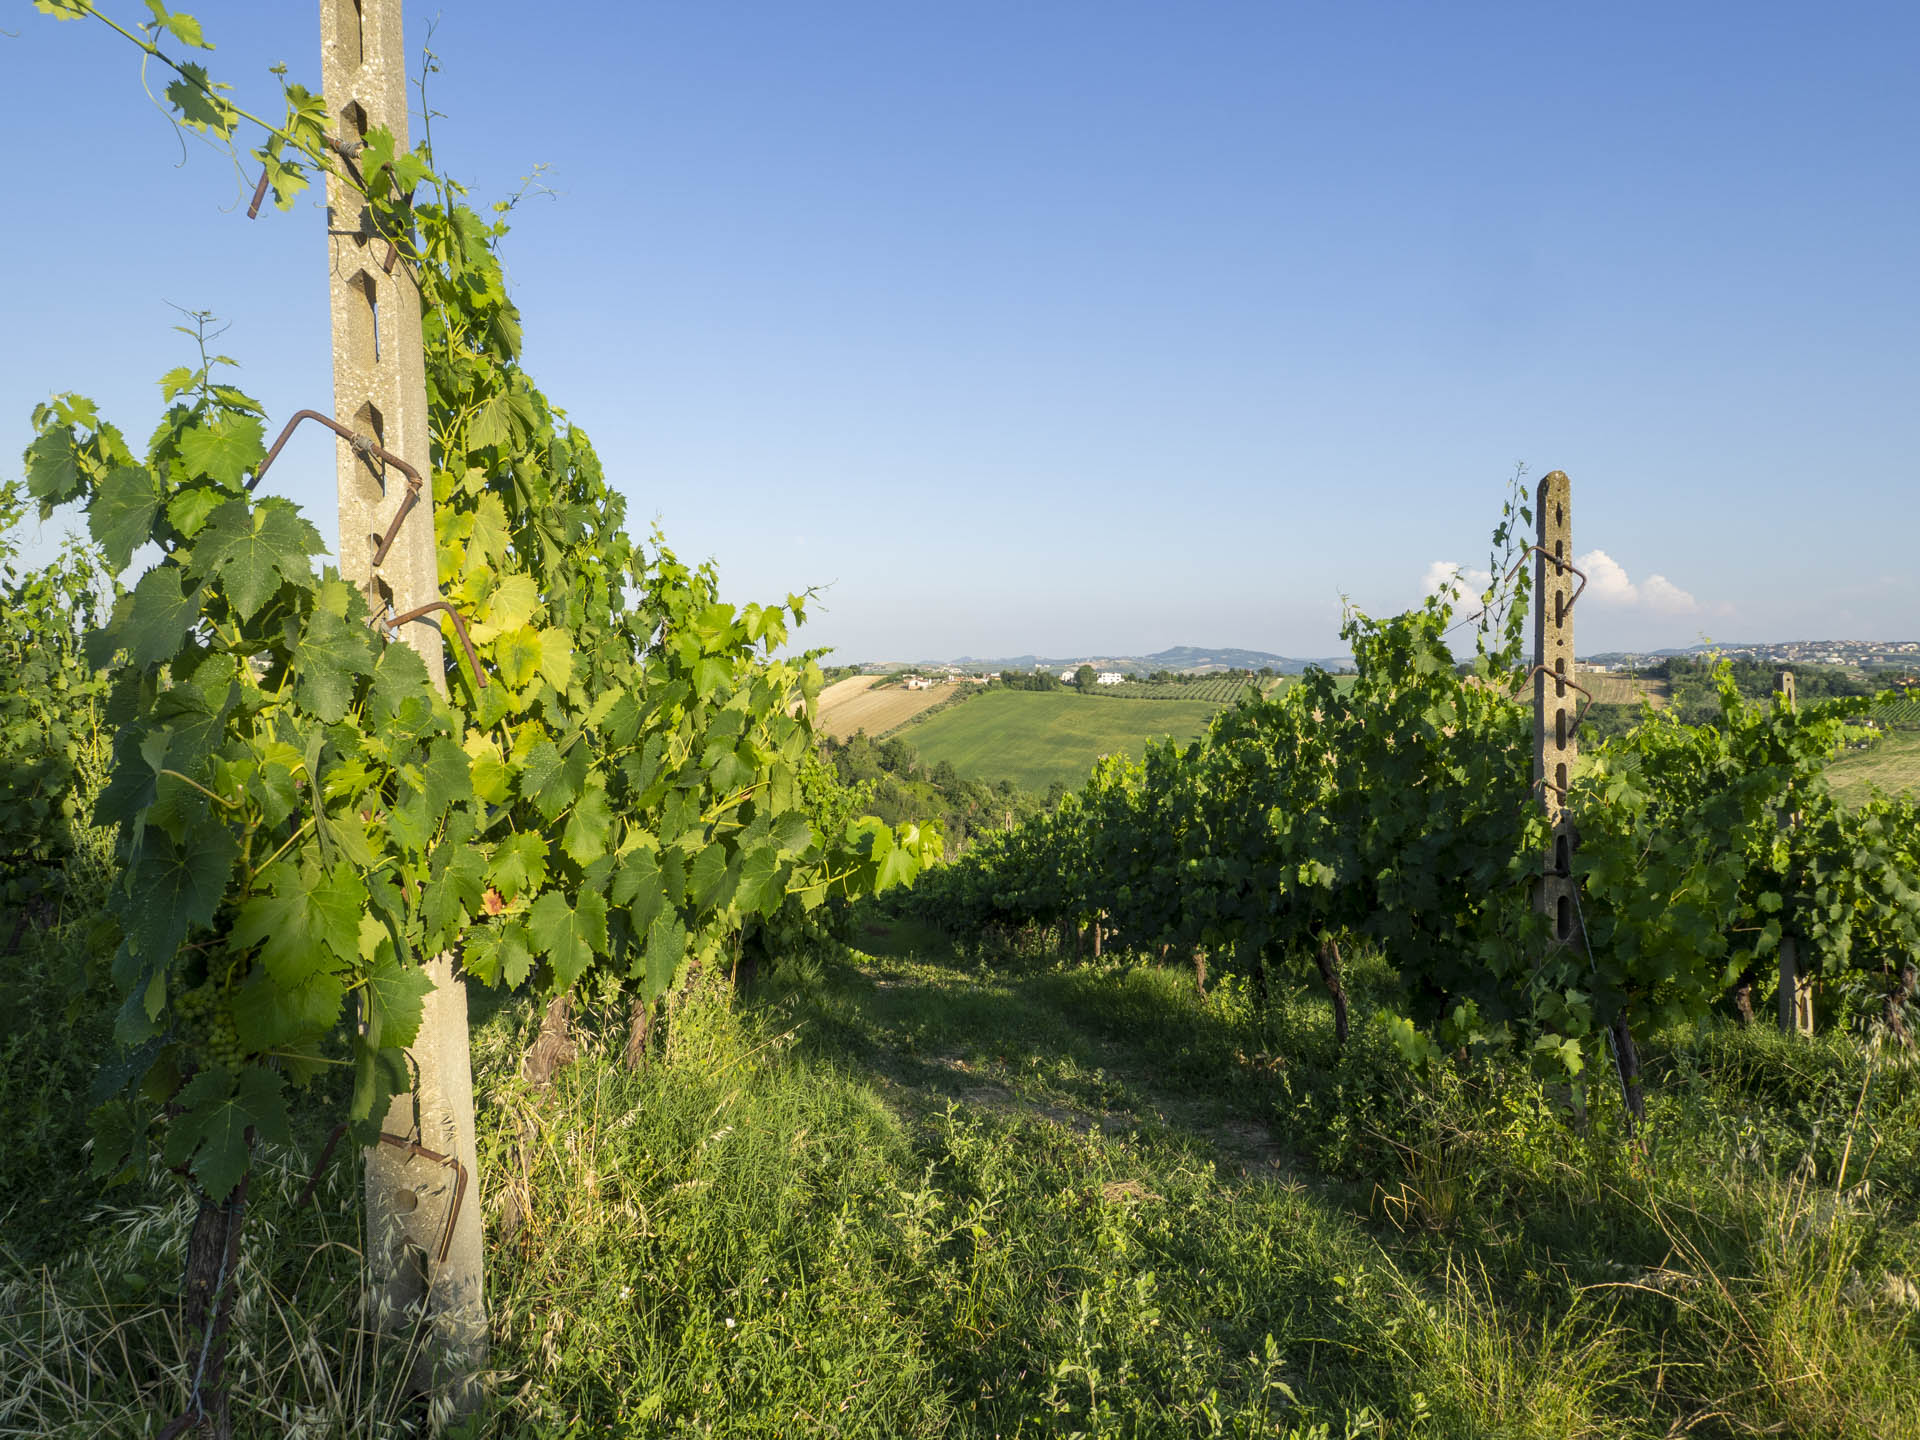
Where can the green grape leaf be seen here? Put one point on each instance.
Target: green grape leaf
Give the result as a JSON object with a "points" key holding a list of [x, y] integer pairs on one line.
{"points": [[621, 721], [556, 659], [183, 28], [398, 995], [569, 935], [759, 890], [53, 470], [330, 652], [189, 508], [499, 954], [792, 834], [225, 450], [307, 923], [707, 878], [253, 550], [551, 782], [666, 944], [455, 890], [487, 772], [176, 886], [447, 780], [269, 1014], [516, 656], [519, 865], [638, 885], [585, 839], [122, 513], [160, 616], [488, 541], [217, 1110]]}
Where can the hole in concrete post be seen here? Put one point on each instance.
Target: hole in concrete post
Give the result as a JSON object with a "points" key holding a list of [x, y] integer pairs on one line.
{"points": [[1565, 917], [369, 422], [1560, 678], [1560, 728], [1560, 861], [1559, 515], [363, 322], [1560, 778], [404, 1201], [350, 32], [353, 121], [1559, 607]]}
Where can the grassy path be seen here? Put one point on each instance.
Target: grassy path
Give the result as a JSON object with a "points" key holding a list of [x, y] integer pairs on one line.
{"points": [[1040, 1047], [896, 1192]]}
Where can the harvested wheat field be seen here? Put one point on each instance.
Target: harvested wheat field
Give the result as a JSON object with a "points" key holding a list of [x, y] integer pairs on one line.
{"points": [[855, 704], [1616, 688]]}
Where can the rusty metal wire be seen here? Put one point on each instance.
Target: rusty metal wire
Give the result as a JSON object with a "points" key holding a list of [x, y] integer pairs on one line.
{"points": [[259, 194], [416, 482], [451, 1162], [459, 626], [361, 443], [1559, 679]]}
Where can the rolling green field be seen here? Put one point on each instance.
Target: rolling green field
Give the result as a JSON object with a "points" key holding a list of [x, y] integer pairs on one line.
{"points": [[1036, 737], [1893, 765]]}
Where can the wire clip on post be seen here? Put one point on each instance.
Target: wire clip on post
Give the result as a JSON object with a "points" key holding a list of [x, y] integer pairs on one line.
{"points": [[459, 626], [415, 481], [414, 1147]]}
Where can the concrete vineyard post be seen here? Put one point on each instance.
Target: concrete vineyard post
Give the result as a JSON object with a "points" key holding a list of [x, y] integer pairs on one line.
{"points": [[1554, 742], [1796, 994], [379, 389]]}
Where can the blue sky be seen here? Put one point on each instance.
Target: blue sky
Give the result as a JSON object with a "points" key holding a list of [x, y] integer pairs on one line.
{"points": [[1103, 327]]}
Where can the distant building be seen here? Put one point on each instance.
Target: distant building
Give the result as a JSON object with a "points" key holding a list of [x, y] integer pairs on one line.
{"points": [[919, 682], [1112, 677]]}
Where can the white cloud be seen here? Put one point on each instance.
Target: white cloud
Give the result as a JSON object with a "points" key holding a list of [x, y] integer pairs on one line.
{"points": [[1449, 577], [1609, 584], [1663, 597]]}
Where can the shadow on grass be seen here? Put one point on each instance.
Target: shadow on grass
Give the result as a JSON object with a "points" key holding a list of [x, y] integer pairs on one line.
{"points": [[1669, 1281]]}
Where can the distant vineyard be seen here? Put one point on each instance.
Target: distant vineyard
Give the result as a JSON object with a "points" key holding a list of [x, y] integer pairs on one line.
{"points": [[1218, 689], [1901, 714]]}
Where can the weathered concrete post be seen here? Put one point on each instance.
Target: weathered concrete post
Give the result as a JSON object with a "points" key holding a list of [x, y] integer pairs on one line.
{"points": [[379, 390], [1554, 741], [1796, 994]]}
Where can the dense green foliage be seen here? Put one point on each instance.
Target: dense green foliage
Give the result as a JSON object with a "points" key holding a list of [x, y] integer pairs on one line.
{"points": [[1694, 683], [51, 710], [1404, 809], [1031, 680], [898, 788], [305, 812]]}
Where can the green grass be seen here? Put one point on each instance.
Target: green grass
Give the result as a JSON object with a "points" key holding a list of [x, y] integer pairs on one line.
{"points": [[1892, 764], [918, 1193], [1034, 738]]}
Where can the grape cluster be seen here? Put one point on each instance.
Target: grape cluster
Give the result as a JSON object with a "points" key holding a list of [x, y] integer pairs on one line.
{"points": [[207, 1024]]}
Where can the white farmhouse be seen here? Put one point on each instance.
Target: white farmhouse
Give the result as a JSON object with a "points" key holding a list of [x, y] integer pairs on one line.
{"points": [[1112, 677]]}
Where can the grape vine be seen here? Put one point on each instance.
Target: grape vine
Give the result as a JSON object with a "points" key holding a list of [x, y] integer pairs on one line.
{"points": [[627, 788], [1403, 810]]}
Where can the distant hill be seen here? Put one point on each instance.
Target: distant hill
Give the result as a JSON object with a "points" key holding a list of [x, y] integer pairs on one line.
{"points": [[1189, 659]]}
